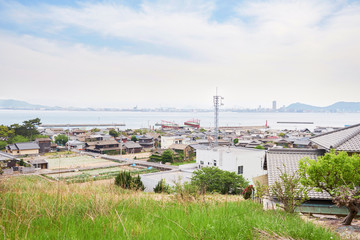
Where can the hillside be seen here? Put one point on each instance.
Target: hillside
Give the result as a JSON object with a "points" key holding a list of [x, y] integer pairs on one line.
{"points": [[16, 104], [336, 107], [33, 208]]}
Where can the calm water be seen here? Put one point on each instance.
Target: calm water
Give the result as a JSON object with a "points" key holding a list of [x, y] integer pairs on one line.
{"points": [[145, 119]]}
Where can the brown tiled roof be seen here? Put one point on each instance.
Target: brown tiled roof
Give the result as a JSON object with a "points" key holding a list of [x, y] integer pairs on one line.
{"points": [[344, 139], [278, 160], [178, 146]]}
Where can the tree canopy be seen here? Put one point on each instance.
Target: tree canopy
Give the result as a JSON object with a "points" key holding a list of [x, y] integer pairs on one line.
{"points": [[114, 133], [213, 179], [337, 174], [61, 139]]}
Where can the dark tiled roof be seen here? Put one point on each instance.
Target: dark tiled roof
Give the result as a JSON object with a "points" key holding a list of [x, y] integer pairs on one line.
{"points": [[131, 144], [278, 160], [344, 139], [27, 146]]}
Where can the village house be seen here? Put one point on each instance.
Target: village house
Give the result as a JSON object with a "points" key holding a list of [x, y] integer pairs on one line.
{"points": [[132, 147], [167, 141], [27, 148], [185, 149], [44, 144], [103, 147], [146, 142], [39, 163], [243, 161]]}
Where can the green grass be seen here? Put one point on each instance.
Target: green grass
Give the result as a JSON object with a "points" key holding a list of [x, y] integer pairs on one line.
{"points": [[33, 208], [182, 163]]}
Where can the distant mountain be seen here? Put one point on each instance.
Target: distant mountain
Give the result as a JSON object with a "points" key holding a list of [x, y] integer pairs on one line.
{"points": [[16, 104], [336, 107]]}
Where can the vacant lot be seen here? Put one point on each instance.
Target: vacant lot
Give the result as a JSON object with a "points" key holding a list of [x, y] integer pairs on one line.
{"points": [[78, 162]]}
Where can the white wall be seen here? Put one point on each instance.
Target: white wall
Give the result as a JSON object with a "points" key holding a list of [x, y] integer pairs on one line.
{"points": [[167, 141], [230, 158]]}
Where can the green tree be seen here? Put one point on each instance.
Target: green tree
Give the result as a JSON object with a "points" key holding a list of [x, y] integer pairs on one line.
{"points": [[213, 179], [236, 141], [6, 133], [27, 129], [3, 144], [114, 133], [126, 181], [18, 139], [134, 138], [337, 174], [167, 156], [61, 139]]}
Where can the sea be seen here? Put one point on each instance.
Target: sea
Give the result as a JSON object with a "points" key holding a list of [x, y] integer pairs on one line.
{"points": [[134, 120]]}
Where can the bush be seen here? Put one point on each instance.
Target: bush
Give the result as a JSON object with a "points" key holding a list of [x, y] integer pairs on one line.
{"points": [[213, 179], [124, 180], [289, 191], [261, 190], [3, 144], [162, 187], [248, 191]]}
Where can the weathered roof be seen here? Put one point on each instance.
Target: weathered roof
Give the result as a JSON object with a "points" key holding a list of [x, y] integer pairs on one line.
{"points": [[178, 146], [345, 139], [6, 156], [131, 144], [38, 161], [278, 160], [26, 146]]}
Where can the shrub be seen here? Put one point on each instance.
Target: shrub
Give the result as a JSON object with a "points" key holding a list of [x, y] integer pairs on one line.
{"points": [[213, 179], [248, 191], [289, 191], [261, 190], [124, 180], [162, 187]]}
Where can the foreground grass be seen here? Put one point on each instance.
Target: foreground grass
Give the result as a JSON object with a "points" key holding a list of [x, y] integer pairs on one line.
{"points": [[33, 208]]}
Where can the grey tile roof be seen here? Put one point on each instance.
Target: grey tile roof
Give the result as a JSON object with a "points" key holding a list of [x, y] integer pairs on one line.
{"points": [[345, 139], [6, 156], [131, 144], [278, 160], [27, 145]]}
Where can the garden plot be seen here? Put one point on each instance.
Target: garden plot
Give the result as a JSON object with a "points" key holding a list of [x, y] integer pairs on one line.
{"points": [[97, 174], [79, 162]]}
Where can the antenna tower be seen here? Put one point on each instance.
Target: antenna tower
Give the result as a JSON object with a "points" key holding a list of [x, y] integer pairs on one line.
{"points": [[217, 104]]}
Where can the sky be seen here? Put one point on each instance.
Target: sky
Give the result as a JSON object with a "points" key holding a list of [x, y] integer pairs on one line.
{"points": [[173, 53]]}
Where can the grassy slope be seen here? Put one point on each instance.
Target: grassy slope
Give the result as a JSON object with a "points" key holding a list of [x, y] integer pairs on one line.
{"points": [[36, 209]]}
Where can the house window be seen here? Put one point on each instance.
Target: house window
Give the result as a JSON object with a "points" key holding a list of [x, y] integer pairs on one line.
{"points": [[240, 169], [215, 163]]}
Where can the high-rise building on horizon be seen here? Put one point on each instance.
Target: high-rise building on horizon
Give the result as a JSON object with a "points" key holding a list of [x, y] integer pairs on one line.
{"points": [[274, 105]]}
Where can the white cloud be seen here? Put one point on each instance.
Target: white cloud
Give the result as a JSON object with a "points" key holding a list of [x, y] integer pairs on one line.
{"points": [[286, 50]]}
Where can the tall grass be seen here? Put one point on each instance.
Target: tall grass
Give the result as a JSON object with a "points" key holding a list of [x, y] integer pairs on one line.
{"points": [[33, 208]]}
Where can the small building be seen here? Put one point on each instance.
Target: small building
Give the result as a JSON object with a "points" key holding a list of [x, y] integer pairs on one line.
{"points": [[39, 163], [244, 161], [103, 147], [167, 141], [27, 148], [77, 132], [146, 142], [44, 144], [187, 150], [75, 144], [302, 143], [132, 147], [7, 160]]}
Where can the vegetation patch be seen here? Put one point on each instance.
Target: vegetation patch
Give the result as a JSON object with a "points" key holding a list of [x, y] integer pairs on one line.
{"points": [[33, 208]]}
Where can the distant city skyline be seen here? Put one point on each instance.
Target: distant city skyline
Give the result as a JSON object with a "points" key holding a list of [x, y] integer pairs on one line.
{"points": [[155, 54]]}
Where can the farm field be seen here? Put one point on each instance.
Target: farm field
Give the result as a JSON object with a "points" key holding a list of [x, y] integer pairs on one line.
{"points": [[34, 208], [97, 174], [78, 162]]}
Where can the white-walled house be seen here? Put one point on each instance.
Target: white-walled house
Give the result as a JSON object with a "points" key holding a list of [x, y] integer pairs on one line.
{"points": [[245, 161], [167, 141]]}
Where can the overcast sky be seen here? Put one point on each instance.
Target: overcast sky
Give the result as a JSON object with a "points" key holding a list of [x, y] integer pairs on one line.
{"points": [[175, 53]]}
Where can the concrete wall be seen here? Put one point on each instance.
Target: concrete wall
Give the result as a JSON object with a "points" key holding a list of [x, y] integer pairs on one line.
{"points": [[230, 159]]}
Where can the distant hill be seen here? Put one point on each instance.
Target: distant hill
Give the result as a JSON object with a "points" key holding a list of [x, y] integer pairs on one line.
{"points": [[16, 104], [336, 107]]}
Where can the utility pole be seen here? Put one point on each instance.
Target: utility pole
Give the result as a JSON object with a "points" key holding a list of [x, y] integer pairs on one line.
{"points": [[217, 104]]}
